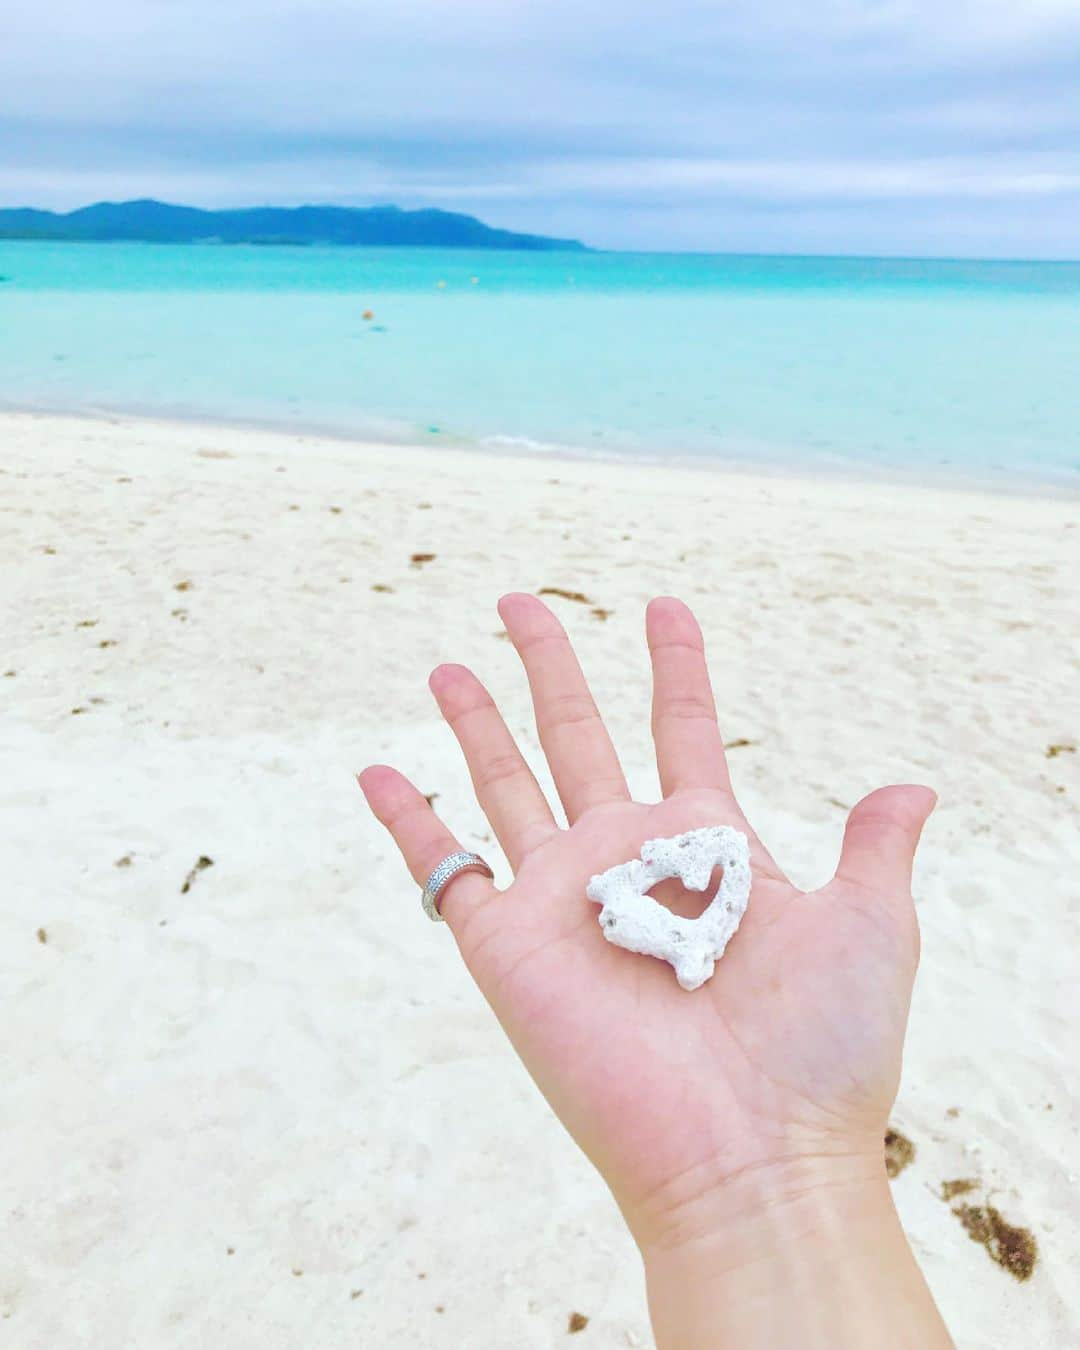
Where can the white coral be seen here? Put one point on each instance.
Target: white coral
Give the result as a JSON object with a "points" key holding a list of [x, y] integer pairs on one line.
{"points": [[631, 918]]}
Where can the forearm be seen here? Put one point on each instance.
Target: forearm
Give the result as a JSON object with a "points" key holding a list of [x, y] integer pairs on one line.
{"points": [[800, 1259]]}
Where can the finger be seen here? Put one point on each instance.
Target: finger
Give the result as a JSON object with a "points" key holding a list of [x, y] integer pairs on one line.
{"points": [[689, 747], [579, 750], [423, 839], [881, 837], [506, 789]]}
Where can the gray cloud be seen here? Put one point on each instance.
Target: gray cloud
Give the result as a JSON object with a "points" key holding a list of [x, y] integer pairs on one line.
{"points": [[890, 125]]}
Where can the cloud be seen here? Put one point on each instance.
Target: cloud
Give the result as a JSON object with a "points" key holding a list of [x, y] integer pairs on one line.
{"points": [[629, 124]]}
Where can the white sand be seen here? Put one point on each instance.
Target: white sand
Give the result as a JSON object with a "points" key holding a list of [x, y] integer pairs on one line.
{"points": [[248, 1115]]}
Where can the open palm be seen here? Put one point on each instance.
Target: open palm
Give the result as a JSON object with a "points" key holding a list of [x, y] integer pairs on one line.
{"points": [[790, 1052]]}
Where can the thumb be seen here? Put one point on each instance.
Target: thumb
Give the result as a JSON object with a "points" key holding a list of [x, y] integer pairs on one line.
{"points": [[881, 837]]}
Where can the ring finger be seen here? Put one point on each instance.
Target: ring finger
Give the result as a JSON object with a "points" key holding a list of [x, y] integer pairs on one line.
{"points": [[506, 789]]}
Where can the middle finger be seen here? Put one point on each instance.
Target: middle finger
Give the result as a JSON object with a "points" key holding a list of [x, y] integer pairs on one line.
{"points": [[583, 761]]}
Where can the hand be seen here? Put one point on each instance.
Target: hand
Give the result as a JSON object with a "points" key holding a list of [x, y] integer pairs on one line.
{"points": [[779, 1072]]}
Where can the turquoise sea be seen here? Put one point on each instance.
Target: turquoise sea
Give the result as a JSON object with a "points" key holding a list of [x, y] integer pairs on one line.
{"points": [[967, 369]]}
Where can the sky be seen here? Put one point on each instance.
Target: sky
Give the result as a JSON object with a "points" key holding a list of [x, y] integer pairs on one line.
{"points": [[918, 127]]}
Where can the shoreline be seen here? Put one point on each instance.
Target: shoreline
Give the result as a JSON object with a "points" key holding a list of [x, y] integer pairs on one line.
{"points": [[828, 470]]}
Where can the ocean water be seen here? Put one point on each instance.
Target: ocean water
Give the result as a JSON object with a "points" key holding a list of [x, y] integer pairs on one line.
{"points": [[920, 368]]}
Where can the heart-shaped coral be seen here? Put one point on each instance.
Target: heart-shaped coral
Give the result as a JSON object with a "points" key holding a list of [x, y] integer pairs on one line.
{"points": [[631, 918]]}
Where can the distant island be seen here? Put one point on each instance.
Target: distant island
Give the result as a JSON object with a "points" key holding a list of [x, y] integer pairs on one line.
{"points": [[155, 222]]}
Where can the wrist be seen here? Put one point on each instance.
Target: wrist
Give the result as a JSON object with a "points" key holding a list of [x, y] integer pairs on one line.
{"points": [[807, 1252], [773, 1198]]}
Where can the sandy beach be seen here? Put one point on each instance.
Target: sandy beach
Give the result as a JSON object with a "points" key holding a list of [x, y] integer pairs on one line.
{"points": [[251, 1097]]}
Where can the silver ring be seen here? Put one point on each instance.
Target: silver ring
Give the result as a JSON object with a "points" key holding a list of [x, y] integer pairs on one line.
{"points": [[449, 867]]}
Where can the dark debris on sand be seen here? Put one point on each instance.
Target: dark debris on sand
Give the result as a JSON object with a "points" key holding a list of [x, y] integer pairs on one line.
{"points": [[578, 596], [961, 1186], [899, 1152], [201, 865], [1013, 1249]]}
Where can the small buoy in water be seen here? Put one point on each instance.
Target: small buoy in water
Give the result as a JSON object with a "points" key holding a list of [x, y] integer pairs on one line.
{"points": [[441, 285], [474, 281], [369, 314]]}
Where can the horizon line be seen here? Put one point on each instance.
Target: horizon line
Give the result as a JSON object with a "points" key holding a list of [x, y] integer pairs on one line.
{"points": [[793, 255]]}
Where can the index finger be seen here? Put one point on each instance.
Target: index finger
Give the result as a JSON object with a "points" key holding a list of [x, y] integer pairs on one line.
{"points": [[689, 747]]}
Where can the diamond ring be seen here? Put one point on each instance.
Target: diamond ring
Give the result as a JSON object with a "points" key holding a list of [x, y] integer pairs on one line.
{"points": [[449, 867]]}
